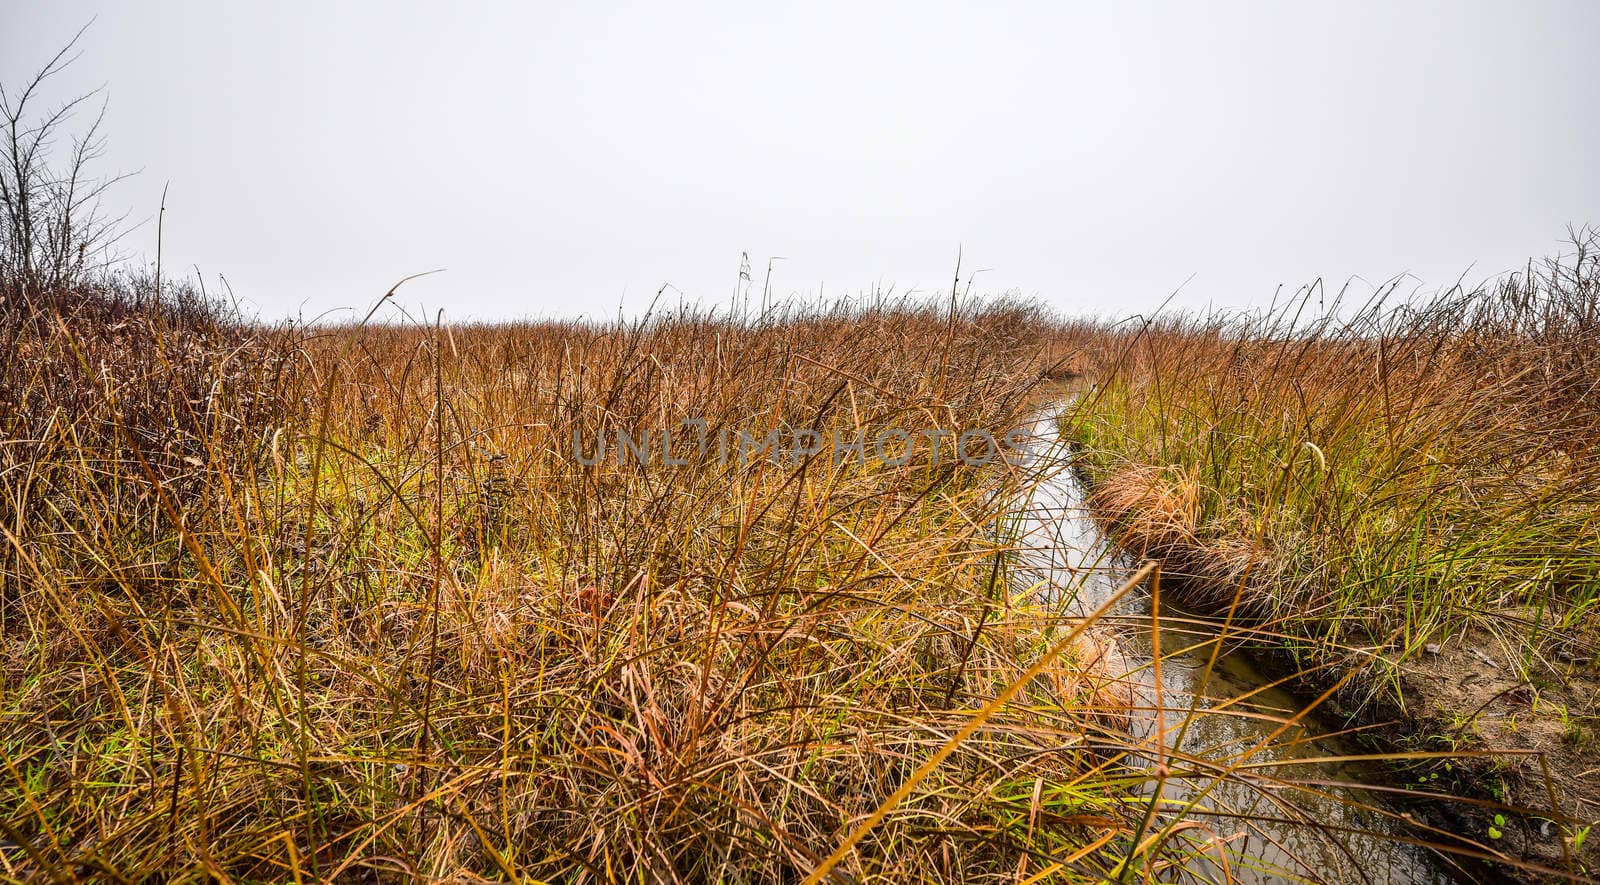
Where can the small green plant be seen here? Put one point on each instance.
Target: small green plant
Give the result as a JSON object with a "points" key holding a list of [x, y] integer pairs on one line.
{"points": [[1460, 724], [1497, 829], [1571, 726]]}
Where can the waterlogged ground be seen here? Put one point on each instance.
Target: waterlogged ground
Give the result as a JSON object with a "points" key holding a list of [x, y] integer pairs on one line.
{"points": [[1260, 792]]}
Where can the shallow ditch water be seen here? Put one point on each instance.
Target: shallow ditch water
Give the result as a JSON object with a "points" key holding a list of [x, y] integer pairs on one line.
{"points": [[1292, 813]]}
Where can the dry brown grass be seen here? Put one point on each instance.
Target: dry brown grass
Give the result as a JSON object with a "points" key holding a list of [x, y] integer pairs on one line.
{"points": [[403, 633], [341, 603]]}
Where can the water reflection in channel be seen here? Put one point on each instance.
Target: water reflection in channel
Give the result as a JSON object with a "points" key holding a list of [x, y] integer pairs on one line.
{"points": [[1274, 819]]}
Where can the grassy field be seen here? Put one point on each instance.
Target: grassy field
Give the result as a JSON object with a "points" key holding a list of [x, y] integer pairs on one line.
{"points": [[346, 603], [334, 603]]}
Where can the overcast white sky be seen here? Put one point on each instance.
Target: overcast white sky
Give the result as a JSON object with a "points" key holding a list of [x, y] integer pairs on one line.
{"points": [[563, 159]]}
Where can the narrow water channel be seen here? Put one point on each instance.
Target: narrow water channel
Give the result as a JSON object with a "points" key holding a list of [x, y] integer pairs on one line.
{"points": [[1288, 813]]}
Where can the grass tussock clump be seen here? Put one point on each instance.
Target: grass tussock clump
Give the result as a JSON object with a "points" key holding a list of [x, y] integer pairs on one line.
{"points": [[119, 408], [361, 610], [1155, 512]]}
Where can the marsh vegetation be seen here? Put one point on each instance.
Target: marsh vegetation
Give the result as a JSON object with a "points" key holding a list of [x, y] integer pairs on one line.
{"points": [[341, 602]]}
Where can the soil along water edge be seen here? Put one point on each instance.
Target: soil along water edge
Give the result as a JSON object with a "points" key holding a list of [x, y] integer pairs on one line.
{"points": [[1407, 490], [1255, 788]]}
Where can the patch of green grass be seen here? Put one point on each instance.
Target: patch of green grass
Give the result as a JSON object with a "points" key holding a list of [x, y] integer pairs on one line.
{"points": [[1395, 472]]}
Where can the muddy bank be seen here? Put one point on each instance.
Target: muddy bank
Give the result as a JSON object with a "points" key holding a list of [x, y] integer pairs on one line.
{"points": [[1520, 721], [1536, 762]]}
